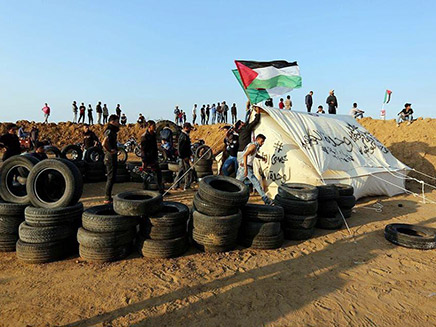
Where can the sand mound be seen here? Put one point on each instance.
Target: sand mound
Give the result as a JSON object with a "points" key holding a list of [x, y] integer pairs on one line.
{"points": [[415, 145]]}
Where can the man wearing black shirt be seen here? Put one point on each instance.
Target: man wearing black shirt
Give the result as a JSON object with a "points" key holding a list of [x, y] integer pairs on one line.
{"points": [[245, 130], [118, 110], [232, 146], [149, 154], [10, 141], [82, 110], [89, 137], [332, 102], [110, 154], [99, 111], [185, 155], [405, 114]]}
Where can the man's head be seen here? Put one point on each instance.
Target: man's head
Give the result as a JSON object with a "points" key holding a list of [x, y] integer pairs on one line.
{"points": [[354, 105], [46, 104], [187, 127], [83, 104], [11, 128], [311, 92], [224, 102], [260, 139], [99, 102], [408, 105], [281, 99], [332, 92], [319, 107], [195, 105], [118, 105], [89, 105], [85, 128], [39, 147], [151, 126], [288, 97], [114, 120], [177, 107], [74, 102], [238, 125]]}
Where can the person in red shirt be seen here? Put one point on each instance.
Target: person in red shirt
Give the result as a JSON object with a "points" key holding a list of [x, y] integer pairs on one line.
{"points": [[46, 111], [281, 104]]}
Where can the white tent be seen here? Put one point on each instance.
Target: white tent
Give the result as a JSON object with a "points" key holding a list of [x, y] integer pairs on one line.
{"points": [[324, 149]]}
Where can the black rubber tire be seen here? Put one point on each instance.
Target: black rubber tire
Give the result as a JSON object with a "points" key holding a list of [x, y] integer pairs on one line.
{"points": [[205, 151], [74, 149], [163, 232], [94, 152], [167, 176], [137, 203], [38, 192], [411, 236], [95, 166], [220, 189], [298, 191], [16, 165], [214, 249], [346, 212], [328, 208], [122, 155], [206, 238], [330, 223], [174, 167], [346, 201], [42, 217], [103, 219], [163, 248], [100, 255], [170, 214], [12, 209], [327, 192], [30, 234], [122, 178], [298, 234], [250, 229], [344, 189], [203, 163], [203, 169], [299, 222], [41, 252], [211, 209], [262, 213], [133, 164], [263, 242], [9, 224], [105, 240], [8, 242], [204, 174], [217, 224], [297, 207], [163, 166], [54, 150]]}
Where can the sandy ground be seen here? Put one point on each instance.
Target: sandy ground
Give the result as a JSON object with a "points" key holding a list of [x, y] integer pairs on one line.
{"points": [[330, 280]]}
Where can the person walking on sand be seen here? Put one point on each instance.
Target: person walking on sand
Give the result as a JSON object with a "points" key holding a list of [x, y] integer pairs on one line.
{"points": [[105, 114], [405, 114], [75, 110], [245, 171], [288, 103], [332, 102], [149, 155], [46, 111], [99, 112], [203, 115], [82, 110], [90, 118], [234, 113], [309, 101], [185, 154], [118, 110], [110, 148], [194, 114]]}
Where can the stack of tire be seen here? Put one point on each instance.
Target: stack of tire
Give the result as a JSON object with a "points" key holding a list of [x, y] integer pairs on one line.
{"points": [[300, 205], [164, 234], [123, 175], [54, 187], [261, 226], [94, 166], [106, 236], [203, 161], [328, 209], [216, 216], [74, 153], [346, 199], [13, 177]]}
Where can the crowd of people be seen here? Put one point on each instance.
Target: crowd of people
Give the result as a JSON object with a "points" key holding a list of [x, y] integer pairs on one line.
{"points": [[215, 114]]}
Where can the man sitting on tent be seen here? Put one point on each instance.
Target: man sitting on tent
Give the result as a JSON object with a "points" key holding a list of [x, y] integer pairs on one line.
{"points": [[245, 171]]}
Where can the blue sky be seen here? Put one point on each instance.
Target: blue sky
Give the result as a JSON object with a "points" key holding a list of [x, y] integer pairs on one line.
{"points": [[151, 55]]}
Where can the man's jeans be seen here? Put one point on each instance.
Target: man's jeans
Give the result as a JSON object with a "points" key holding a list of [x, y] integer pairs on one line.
{"points": [[229, 162], [111, 163], [251, 179], [99, 117], [213, 118], [402, 118], [74, 117], [183, 168]]}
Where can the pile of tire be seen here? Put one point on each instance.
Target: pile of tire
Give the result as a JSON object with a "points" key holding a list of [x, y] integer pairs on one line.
{"points": [[328, 209], [106, 236], [203, 160], [261, 226], [54, 187], [300, 205], [216, 216], [74, 153], [346, 199], [94, 166], [11, 216], [123, 175], [134, 176], [164, 234]]}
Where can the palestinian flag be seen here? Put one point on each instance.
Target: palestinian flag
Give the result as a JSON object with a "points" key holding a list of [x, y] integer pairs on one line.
{"points": [[276, 77], [387, 96], [255, 96]]}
